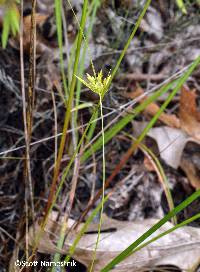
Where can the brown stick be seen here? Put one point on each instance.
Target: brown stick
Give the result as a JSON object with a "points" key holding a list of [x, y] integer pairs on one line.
{"points": [[141, 77], [118, 167]]}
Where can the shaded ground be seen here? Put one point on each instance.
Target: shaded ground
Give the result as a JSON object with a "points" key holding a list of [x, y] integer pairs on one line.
{"points": [[166, 42]]}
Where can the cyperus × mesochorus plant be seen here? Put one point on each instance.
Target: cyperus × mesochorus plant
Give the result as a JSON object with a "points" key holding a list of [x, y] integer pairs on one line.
{"points": [[100, 86]]}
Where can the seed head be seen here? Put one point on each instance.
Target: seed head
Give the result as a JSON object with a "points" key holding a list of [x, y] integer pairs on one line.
{"points": [[96, 83]]}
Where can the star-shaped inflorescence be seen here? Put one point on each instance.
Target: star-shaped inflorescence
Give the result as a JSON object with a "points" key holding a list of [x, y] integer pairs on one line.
{"points": [[96, 83]]}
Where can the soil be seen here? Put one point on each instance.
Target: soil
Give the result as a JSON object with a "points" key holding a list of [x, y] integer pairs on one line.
{"points": [[166, 42]]}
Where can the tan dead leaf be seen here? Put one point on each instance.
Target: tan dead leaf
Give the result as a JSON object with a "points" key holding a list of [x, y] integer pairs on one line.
{"points": [[171, 142], [40, 18], [180, 248], [189, 115], [168, 119], [191, 172]]}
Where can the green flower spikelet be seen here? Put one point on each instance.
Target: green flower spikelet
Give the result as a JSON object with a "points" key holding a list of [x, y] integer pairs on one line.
{"points": [[96, 83]]}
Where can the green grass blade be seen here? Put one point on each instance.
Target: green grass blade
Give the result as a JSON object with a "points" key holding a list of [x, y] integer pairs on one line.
{"points": [[128, 251], [10, 23], [182, 224], [124, 121], [84, 229], [92, 128], [58, 13], [94, 6], [58, 6], [165, 182], [147, 4], [181, 6], [180, 83], [5, 33]]}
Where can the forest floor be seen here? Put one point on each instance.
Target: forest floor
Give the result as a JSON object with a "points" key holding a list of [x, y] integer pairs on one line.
{"points": [[166, 43]]}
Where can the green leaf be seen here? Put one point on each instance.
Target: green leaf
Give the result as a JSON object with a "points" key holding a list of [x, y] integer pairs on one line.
{"points": [[181, 6], [109, 134], [10, 23], [129, 117], [128, 251], [6, 30]]}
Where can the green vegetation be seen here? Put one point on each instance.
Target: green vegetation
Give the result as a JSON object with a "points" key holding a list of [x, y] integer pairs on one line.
{"points": [[97, 83], [10, 19]]}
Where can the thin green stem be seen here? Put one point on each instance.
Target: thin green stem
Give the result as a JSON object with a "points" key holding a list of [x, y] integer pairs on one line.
{"points": [[58, 13], [103, 184], [84, 229], [72, 87], [68, 110], [164, 179], [83, 35], [94, 7], [147, 4]]}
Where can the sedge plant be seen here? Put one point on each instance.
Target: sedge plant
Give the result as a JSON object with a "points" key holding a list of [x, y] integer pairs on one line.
{"points": [[100, 86], [67, 169], [95, 83], [91, 13], [174, 211], [53, 192]]}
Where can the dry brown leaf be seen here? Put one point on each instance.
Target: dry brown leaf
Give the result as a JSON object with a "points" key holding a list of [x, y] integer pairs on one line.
{"points": [[191, 172], [189, 115], [40, 18], [168, 119], [180, 248], [171, 143]]}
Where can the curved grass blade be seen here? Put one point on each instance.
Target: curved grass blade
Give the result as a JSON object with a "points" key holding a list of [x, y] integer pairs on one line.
{"points": [[129, 250], [123, 122], [59, 27], [182, 224], [109, 134]]}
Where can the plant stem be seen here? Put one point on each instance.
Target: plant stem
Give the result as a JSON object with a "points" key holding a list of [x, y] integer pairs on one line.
{"points": [[68, 110], [58, 13], [103, 184], [147, 4]]}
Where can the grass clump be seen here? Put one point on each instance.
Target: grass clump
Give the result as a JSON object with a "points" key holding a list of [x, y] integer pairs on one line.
{"points": [[99, 85]]}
